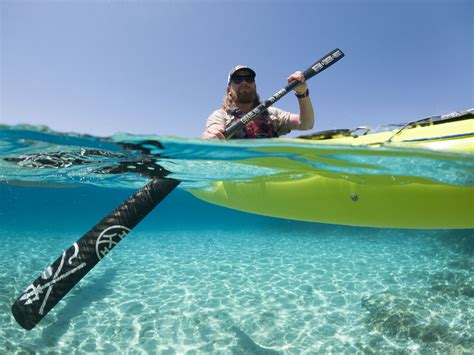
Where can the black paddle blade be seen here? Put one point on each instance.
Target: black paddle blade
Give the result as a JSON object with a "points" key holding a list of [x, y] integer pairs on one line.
{"points": [[324, 63], [62, 275]]}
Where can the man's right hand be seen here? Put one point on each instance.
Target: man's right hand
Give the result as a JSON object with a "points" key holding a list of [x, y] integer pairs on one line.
{"points": [[213, 132]]}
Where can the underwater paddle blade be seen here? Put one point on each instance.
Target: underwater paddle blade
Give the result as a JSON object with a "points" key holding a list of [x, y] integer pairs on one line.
{"points": [[63, 274]]}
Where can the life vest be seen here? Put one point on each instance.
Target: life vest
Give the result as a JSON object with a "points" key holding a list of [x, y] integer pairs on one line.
{"points": [[260, 127]]}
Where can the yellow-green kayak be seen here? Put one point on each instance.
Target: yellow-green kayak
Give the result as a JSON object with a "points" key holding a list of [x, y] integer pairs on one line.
{"points": [[306, 193]]}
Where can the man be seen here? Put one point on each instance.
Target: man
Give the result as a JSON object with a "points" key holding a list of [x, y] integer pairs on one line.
{"points": [[241, 97]]}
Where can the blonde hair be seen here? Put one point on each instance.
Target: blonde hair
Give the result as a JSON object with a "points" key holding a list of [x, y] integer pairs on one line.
{"points": [[228, 103]]}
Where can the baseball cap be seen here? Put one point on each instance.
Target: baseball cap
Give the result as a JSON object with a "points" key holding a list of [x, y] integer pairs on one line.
{"points": [[237, 68]]}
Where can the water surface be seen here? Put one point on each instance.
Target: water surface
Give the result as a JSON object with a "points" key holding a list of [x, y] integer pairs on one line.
{"points": [[197, 278]]}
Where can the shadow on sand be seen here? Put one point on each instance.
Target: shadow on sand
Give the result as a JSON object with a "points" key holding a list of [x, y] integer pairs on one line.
{"points": [[77, 303], [245, 344]]}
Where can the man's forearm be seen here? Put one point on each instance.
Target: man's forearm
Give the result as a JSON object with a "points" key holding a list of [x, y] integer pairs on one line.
{"points": [[306, 113]]}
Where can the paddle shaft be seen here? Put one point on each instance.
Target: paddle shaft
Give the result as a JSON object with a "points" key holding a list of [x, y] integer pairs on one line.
{"points": [[320, 65]]}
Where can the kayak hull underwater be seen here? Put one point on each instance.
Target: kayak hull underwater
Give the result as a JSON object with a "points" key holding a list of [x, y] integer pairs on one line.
{"points": [[388, 204], [305, 193]]}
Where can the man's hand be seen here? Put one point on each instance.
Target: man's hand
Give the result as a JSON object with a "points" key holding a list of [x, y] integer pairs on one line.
{"points": [[215, 131], [300, 89]]}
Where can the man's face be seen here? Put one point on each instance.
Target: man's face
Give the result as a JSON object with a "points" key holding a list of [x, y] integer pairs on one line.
{"points": [[244, 92]]}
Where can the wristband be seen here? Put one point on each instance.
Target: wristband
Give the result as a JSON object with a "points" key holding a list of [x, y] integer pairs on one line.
{"points": [[305, 94]]}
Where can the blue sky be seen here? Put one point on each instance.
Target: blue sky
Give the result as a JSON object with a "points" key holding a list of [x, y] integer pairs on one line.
{"points": [[160, 67]]}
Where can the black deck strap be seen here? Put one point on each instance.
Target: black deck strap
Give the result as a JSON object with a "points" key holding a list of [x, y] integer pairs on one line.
{"points": [[331, 133]]}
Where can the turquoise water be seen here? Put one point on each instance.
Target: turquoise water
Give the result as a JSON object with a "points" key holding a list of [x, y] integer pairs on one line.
{"points": [[197, 278]]}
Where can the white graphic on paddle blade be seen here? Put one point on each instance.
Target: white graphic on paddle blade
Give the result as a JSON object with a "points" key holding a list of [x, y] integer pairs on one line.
{"points": [[109, 238], [32, 293]]}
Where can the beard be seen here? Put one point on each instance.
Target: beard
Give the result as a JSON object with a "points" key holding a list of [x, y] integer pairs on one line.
{"points": [[246, 95]]}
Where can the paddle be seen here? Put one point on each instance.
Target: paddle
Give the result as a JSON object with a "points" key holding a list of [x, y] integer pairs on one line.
{"points": [[63, 274]]}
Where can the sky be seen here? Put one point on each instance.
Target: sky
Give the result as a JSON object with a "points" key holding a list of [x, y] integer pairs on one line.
{"points": [[160, 67]]}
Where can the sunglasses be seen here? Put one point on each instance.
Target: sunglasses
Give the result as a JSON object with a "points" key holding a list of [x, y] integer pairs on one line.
{"points": [[237, 79]]}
